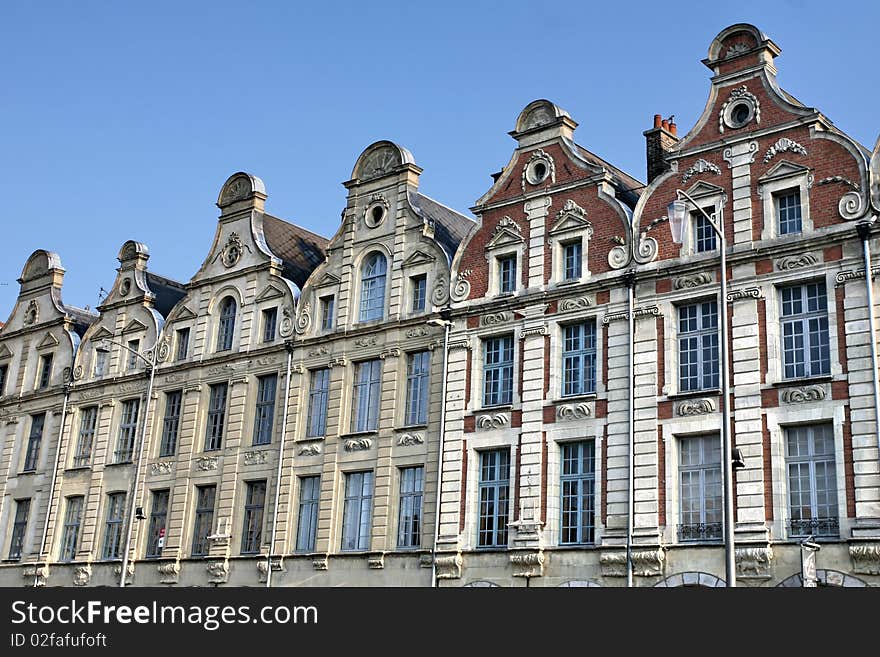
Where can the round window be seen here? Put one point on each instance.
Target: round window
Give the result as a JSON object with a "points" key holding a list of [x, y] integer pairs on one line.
{"points": [[538, 171], [375, 213], [740, 113]]}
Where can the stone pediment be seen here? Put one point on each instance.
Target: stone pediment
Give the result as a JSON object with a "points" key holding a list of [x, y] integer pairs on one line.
{"points": [[4, 351], [571, 218], [703, 189], [327, 280], [784, 169], [134, 326], [182, 313], [101, 334], [271, 292], [49, 341], [507, 232], [418, 258]]}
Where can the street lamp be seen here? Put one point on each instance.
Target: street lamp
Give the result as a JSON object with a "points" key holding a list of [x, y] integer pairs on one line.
{"points": [[676, 212], [104, 347]]}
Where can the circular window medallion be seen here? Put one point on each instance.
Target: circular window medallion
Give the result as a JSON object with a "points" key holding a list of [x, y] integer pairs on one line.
{"points": [[376, 211], [740, 109], [538, 171], [125, 287]]}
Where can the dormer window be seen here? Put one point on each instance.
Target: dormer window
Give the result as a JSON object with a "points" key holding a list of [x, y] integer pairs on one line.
{"points": [[100, 362], [45, 371], [704, 234], [226, 325], [788, 211], [572, 255], [507, 273], [373, 276], [570, 237]]}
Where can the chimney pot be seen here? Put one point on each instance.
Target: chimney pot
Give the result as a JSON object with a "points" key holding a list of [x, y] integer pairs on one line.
{"points": [[665, 124], [673, 129], [657, 120]]}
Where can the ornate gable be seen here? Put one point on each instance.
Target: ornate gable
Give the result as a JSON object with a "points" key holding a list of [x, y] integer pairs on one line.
{"points": [[571, 218], [271, 292], [134, 326], [507, 233]]}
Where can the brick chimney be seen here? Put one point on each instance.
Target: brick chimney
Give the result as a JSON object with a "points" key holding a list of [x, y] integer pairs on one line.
{"points": [[659, 140]]}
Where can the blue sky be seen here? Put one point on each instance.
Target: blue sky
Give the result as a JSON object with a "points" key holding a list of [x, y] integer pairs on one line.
{"points": [[122, 120]]}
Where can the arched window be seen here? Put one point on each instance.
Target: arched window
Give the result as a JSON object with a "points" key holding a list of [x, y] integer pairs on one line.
{"points": [[373, 287], [226, 326]]}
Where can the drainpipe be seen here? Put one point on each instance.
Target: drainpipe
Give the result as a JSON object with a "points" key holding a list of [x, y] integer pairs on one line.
{"points": [[630, 279], [289, 346], [447, 324], [52, 485], [864, 230]]}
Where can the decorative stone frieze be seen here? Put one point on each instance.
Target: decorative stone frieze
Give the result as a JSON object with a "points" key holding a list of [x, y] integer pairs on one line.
{"points": [[205, 463], [312, 449], [696, 407], [448, 566], [161, 468], [803, 394], [865, 558], [493, 421], [256, 457], [409, 439], [169, 572], [494, 319], [646, 563], [782, 145], [753, 562], [575, 303], [358, 444], [698, 167], [579, 411], [218, 571], [747, 293], [528, 564], [796, 261], [693, 280], [82, 575]]}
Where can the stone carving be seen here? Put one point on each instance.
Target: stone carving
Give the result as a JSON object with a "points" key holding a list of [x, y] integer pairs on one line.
{"points": [[358, 444], [132, 387], [579, 411], [539, 156], [537, 117], [426, 561], [218, 571], [125, 287], [263, 567], [865, 558], [376, 561], [169, 571], [803, 395], [575, 303], [129, 571], [376, 211], [494, 421], [527, 564], [390, 352], [339, 361], [232, 251], [851, 206], [367, 341], [32, 314], [256, 457], [839, 179], [236, 190], [82, 575], [36, 575], [696, 407], [506, 224], [320, 563], [748, 293], [645, 311], [727, 156], [417, 332], [265, 361], [174, 378], [783, 144], [695, 280], [494, 319], [740, 93], [646, 563], [220, 370], [753, 562], [312, 449], [796, 261], [78, 372], [698, 167], [464, 343], [304, 319], [319, 351], [448, 567], [161, 468], [736, 49], [462, 287], [285, 328], [206, 463], [379, 162], [534, 330], [440, 293], [408, 439], [848, 275]]}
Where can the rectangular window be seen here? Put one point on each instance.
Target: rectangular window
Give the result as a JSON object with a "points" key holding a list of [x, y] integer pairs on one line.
{"points": [[704, 234], [805, 348], [134, 347], [35, 439], [367, 387], [700, 488], [419, 292], [182, 343], [45, 370], [507, 274], [19, 528], [812, 480], [788, 209], [327, 312], [265, 412], [87, 424], [170, 423], [3, 370], [204, 520], [252, 532], [216, 417], [156, 530], [494, 498], [418, 367], [307, 521], [579, 358], [409, 522], [113, 526], [698, 367], [100, 362], [270, 319], [572, 255], [318, 390], [127, 430], [578, 482], [358, 510], [498, 371], [70, 533]]}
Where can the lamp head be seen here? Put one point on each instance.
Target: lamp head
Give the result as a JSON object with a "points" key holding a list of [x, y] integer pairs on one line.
{"points": [[676, 213]]}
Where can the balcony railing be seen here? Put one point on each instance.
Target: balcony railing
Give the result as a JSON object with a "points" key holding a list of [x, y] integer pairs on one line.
{"points": [[814, 527], [701, 531]]}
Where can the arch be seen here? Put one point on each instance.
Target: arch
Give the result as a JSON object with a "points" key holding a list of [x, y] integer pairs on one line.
{"points": [[39, 264], [752, 38], [826, 578], [539, 113], [692, 579], [379, 159], [227, 311], [240, 186], [374, 279], [481, 584], [579, 583], [131, 250]]}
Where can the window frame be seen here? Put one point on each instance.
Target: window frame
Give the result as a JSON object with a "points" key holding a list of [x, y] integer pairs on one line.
{"points": [[171, 423], [111, 547], [503, 396], [419, 293], [370, 403], [70, 532], [264, 409], [701, 334], [269, 317], [85, 441], [497, 534], [35, 442], [159, 503], [328, 311], [410, 507], [820, 526], [127, 433], [804, 318], [226, 319], [588, 356], [707, 528], [372, 300], [18, 535], [501, 260], [45, 374], [360, 541], [417, 389], [582, 487], [181, 337], [316, 413], [308, 509], [778, 210], [253, 517], [200, 515], [215, 424]]}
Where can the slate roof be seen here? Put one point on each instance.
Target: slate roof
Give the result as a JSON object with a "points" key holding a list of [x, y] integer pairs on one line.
{"points": [[450, 227], [300, 250]]}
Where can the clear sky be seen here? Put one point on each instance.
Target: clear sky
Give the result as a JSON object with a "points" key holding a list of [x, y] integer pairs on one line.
{"points": [[121, 120]]}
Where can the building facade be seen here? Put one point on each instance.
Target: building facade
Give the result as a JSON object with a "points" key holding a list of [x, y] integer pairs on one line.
{"points": [[531, 398]]}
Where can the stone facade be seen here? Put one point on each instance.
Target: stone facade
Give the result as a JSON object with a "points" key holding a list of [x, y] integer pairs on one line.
{"points": [[294, 410]]}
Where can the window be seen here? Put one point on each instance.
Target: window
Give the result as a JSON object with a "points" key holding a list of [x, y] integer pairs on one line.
{"points": [[226, 325], [204, 520], [35, 438], [265, 412], [578, 483], [358, 508], [19, 528], [805, 349], [418, 367], [507, 274], [87, 423], [156, 530], [307, 522], [70, 532], [409, 522], [494, 498], [373, 287], [498, 371], [182, 343], [698, 367], [700, 488], [812, 481], [252, 532], [127, 429], [216, 417], [788, 209], [316, 424], [327, 311], [572, 261], [3, 369], [113, 526], [45, 371], [579, 359], [270, 319], [367, 386], [704, 234], [419, 291], [133, 351], [170, 423], [100, 362]]}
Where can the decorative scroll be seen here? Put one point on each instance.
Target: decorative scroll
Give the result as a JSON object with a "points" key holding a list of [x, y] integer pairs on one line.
{"points": [[698, 167], [803, 395], [783, 144], [495, 421], [696, 407]]}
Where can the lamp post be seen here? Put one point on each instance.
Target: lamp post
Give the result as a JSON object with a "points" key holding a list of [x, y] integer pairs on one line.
{"points": [[104, 346], [676, 212]]}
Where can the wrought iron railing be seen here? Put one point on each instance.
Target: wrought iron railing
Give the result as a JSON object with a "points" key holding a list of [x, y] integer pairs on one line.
{"points": [[701, 531], [814, 527]]}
